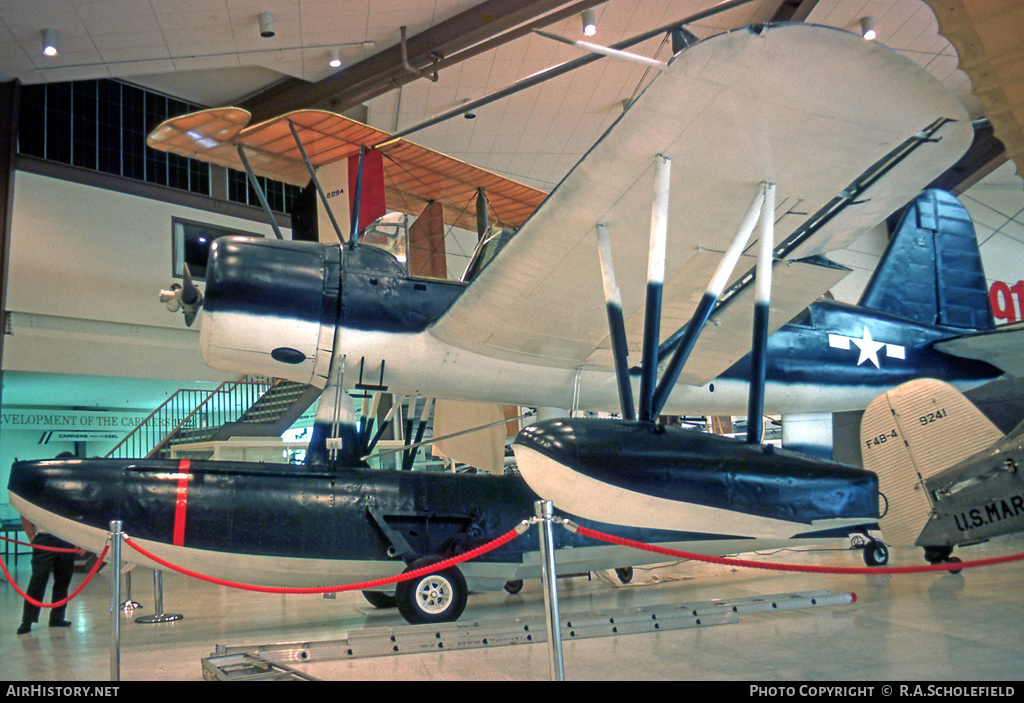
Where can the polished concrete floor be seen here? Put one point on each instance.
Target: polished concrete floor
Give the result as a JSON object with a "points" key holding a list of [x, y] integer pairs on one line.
{"points": [[924, 627]]}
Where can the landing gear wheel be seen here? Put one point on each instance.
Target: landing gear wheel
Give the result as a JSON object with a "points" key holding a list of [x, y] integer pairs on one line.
{"points": [[514, 587], [876, 553], [438, 596], [625, 574], [380, 599]]}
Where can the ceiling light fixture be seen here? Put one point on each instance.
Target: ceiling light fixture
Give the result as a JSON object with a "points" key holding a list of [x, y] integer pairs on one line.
{"points": [[266, 21], [334, 58], [867, 27], [589, 23], [50, 41]]}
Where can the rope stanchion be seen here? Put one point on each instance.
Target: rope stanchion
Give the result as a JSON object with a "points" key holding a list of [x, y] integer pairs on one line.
{"points": [[365, 585], [805, 568], [95, 569]]}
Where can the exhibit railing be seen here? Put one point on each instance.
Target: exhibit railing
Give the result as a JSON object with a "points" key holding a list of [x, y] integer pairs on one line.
{"points": [[191, 415]]}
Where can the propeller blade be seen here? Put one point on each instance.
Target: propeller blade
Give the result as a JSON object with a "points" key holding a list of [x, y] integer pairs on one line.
{"points": [[190, 295], [187, 298]]}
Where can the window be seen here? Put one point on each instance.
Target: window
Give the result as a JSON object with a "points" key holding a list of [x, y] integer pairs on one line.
{"points": [[102, 125], [191, 242], [280, 196]]}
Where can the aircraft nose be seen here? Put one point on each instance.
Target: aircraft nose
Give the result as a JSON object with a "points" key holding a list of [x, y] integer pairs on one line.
{"points": [[271, 307]]}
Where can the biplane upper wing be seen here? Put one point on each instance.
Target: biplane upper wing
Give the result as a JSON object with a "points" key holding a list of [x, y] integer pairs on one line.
{"points": [[413, 175], [847, 130]]}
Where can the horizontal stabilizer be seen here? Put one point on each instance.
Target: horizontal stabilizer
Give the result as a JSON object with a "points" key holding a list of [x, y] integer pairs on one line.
{"points": [[910, 434], [1000, 347]]}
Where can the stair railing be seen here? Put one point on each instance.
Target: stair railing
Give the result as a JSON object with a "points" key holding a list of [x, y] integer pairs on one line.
{"points": [[190, 409]]}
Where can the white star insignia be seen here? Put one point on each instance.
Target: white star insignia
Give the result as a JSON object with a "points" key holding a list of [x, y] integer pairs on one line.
{"points": [[869, 348]]}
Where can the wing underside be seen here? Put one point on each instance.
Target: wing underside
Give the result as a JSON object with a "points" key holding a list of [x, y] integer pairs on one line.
{"points": [[834, 121], [847, 130]]}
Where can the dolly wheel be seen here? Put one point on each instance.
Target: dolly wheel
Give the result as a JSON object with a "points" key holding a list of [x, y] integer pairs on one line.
{"points": [[379, 599], [432, 598]]}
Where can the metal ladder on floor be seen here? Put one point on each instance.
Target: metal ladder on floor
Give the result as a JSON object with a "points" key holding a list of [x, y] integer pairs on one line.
{"points": [[270, 662]]}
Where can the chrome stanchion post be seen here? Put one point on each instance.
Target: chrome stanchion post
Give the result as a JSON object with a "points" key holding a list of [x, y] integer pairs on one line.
{"points": [[115, 600], [129, 604], [158, 599], [544, 511]]}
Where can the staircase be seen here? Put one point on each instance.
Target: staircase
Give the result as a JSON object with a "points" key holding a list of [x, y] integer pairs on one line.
{"points": [[253, 407], [273, 412]]}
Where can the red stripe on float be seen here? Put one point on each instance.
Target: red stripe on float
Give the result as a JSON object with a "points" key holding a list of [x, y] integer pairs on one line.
{"points": [[181, 503]]}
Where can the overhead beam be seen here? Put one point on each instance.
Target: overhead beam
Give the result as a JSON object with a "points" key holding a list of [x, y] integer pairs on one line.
{"points": [[986, 36], [481, 28], [793, 10]]}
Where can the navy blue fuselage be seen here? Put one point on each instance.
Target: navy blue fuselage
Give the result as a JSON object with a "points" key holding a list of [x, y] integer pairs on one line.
{"points": [[375, 295]]}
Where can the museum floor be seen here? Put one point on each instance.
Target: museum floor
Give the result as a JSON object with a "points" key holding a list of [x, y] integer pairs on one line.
{"points": [[922, 627]]}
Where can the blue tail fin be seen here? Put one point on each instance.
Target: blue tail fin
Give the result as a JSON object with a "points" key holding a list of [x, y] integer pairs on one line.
{"points": [[931, 271]]}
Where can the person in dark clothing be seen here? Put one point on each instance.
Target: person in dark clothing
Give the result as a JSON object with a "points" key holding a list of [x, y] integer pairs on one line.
{"points": [[45, 562]]}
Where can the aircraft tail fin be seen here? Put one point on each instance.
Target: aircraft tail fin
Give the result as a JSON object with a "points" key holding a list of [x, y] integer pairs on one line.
{"points": [[931, 270], [911, 433]]}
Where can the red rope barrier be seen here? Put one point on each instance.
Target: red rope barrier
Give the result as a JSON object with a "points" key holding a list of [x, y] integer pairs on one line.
{"points": [[439, 566], [33, 601], [43, 547], [948, 566]]}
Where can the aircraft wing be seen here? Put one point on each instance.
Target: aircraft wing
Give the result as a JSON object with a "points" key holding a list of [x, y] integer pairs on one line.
{"points": [[1000, 347], [413, 174], [848, 130]]}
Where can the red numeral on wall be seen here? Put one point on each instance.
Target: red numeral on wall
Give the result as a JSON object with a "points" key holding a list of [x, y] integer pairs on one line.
{"points": [[1006, 300]]}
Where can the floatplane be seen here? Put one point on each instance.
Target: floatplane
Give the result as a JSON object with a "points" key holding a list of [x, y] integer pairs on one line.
{"points": [[786, 140]]}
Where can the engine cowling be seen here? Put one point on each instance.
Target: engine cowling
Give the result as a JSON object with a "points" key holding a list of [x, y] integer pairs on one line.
{"points": [[271, 308]]}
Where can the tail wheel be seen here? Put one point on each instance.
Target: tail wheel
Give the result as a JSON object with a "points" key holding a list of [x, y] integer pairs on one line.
{"points": [[876, 553], [937, 555], [954, 560], [438, 596]]}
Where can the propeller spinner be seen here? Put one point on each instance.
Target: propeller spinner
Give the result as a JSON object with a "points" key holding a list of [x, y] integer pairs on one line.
{"points": [[185, 297]]}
